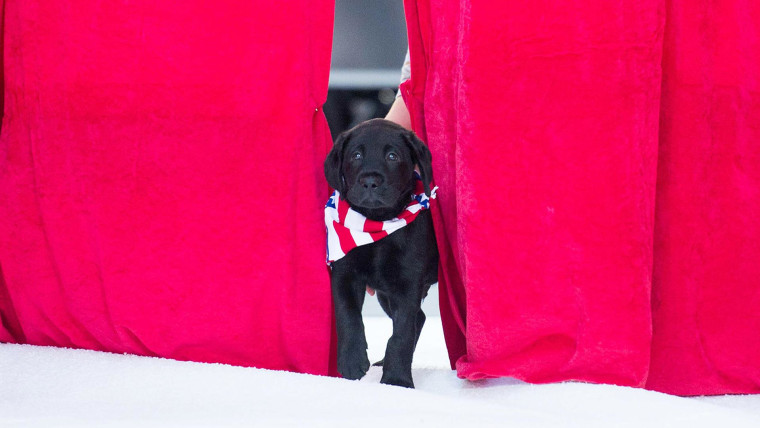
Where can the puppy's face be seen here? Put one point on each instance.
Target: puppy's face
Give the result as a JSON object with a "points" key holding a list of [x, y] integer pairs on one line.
{"points": [[372, 166], [378, 171]]}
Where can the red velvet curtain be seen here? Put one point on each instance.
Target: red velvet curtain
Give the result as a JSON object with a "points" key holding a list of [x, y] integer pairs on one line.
{"points": [[599, 180], [161, 179], [706, 295], [598, 169]]}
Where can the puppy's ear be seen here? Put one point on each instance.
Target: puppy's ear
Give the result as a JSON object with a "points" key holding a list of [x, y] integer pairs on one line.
{"points": [[422, 158], [334, 165]]}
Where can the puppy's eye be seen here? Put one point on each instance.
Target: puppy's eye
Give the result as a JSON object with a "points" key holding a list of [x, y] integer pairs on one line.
{"points": [[393, 157], [356, 156]]}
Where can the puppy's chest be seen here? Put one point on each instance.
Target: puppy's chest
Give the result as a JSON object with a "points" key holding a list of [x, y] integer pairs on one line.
{"points": [[385, 265], [405, 259]]}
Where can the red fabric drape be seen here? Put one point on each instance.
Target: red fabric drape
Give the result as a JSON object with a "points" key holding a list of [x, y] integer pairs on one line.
{"points": [[161, 179], [546, 120], [706, 295]]}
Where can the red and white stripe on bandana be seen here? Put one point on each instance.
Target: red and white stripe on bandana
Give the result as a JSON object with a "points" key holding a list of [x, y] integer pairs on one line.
{"points": [[347, 229]]}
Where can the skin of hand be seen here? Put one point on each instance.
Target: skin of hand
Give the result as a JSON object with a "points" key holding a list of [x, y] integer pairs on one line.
{"points": [[399, 114]]}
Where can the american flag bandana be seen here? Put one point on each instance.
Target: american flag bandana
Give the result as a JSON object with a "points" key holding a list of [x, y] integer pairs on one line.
{"points": [[347, 229]]}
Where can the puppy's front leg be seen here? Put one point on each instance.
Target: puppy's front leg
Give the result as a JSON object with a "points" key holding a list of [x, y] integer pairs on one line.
{"points": [[397, 364], [348, 298]]}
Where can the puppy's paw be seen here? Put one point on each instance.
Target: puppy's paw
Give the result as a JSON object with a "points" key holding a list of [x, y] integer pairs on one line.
{"points": [[353, 365], [404, 381]]}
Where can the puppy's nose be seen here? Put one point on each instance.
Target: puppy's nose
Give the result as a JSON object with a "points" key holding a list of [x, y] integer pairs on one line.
{"points": [[371, 181]]}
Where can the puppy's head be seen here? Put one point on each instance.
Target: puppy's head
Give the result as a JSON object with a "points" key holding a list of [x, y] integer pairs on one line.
{"points": [[372, 166]]}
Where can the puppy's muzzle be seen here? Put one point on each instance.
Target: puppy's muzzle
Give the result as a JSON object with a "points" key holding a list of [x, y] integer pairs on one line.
{"points": [[370, 182], [371, 191]]}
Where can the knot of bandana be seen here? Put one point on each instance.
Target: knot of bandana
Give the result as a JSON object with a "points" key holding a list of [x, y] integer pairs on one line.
{"points": [[347, 229]]}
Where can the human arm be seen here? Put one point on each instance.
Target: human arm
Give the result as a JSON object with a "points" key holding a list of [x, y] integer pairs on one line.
{"points": [[398, 112]]}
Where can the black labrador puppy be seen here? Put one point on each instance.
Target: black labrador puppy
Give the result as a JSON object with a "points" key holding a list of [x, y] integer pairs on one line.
{"points": [[373, 168]]}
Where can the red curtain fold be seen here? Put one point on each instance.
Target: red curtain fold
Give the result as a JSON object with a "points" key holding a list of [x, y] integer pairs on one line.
{"points": [[707, 232], [160, 167], [546, 121]]}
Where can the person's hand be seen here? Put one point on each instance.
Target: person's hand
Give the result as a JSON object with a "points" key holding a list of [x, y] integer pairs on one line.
{"points": [[399, 114]]}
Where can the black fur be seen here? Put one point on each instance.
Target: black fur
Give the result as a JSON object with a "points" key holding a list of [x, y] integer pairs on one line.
{"points": [[400, 267]]}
